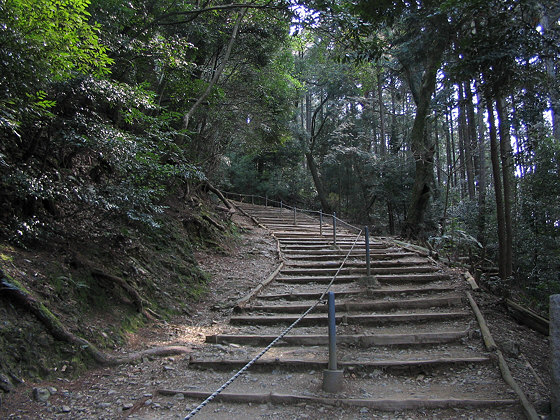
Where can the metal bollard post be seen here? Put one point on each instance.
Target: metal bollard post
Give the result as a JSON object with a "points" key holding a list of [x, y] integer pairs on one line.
{"points": [[332, 377], [266, 200], [334, 227], [295, 216], [368, 265], [321, 222], [554, 336], [280, 204]]}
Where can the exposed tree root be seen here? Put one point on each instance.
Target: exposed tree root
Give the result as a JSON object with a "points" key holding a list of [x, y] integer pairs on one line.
{"points": [[219, 194], [18, 295], [136, 298]]}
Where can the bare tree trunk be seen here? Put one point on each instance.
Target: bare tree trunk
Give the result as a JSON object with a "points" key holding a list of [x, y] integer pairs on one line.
{"points": [[481, 219], [497, 177], [317, 182], [448, 150], [382, 140], [218, 72], [465, 145], [471, 135], [308, 112], [507, 174], [438, 159]]}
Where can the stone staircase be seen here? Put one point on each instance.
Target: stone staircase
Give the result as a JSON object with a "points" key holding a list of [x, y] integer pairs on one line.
{"points": [[408, 341]]}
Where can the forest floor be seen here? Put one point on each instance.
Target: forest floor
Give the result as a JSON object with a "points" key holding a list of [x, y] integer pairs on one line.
{"points": [[130, 391]]}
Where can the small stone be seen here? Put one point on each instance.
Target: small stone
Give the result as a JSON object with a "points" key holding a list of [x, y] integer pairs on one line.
{"points": [[168, 368], [66, 409], [104, 405], [5, 383], [52, 390], [179, 396], [127, 406], [511, 348], [148, 402], [364, 410], [41, 394], [111, 392]]}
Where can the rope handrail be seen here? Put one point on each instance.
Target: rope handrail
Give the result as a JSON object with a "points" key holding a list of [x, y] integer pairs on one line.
{"points": [[280, 336]]}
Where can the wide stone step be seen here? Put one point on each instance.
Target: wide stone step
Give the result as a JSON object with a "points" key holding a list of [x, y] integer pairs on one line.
{"points": [[382, 278], [408, 402], [401, 291], [360, 263], [362, 319], [362, 366], [375, 269], [357, 340], [380, 305]]}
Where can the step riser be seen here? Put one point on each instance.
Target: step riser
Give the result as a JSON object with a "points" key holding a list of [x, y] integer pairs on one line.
{"points": [[419, 339], [370, 306], [394, 366], [348, 319]]}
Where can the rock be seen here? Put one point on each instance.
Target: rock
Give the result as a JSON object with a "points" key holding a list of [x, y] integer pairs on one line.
{"points": [[511, 348], [5, 383], [66, 409], [148, 402], [52, 390], [41, 394], [127, 406]]}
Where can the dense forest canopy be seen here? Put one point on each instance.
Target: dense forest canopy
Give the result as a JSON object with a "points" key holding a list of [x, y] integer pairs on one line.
{"points": [[438, 120]]}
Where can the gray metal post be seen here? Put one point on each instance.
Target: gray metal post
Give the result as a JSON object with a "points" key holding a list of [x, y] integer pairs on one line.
{"points": [[280, 204], [332, 331], [295, 216], [368, 265], [332, 377], [266, 200], [334, 227], [554, 337], [321, 222]]}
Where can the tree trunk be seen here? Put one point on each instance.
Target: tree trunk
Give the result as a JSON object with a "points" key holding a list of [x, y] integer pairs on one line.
{"points": [[382, 140], [500, 217], [481, 219], [462, 131], [438, 158], [317, 182], [507, 174], [423, 151], [448, 151], [218, 72], [468, 142]]}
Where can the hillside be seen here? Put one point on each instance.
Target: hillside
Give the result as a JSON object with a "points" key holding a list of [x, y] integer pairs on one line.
{"points": [[102, 287]]}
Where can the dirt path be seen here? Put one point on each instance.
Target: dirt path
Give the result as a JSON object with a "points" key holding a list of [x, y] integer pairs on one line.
{"points": [[131, 391]]}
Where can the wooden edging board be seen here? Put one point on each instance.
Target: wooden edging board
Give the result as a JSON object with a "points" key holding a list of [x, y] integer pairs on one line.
{"points": [[506, 374], [385, 404]]}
